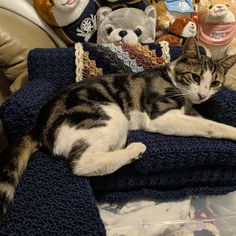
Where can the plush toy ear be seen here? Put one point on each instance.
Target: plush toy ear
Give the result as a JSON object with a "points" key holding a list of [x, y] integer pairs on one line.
{"points": [[150, 11], [102, 13]]}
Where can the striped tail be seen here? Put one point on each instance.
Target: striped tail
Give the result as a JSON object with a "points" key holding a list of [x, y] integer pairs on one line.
{"points": [[12, 165]]}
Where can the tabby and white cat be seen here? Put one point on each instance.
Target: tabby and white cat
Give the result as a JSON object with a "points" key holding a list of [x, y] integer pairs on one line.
{"points": [[88, 123]]}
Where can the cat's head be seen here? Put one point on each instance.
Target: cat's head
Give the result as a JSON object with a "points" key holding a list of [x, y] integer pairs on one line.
{"points": [[197, 76]]}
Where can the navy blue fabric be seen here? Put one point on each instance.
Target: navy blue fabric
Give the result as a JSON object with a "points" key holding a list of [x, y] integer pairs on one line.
{"points": [[51, 201], [77, 30], [171, 168], [50, 71]]}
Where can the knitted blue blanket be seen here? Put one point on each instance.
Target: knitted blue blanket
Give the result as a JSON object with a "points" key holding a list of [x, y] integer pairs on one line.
{"points": [[50, 200]]}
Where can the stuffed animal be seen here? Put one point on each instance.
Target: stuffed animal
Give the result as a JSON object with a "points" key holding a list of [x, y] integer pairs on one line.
{"points": [[217, 27], [129, 25], [166, 15], [73, 20], [115, 4], [179, 31]]}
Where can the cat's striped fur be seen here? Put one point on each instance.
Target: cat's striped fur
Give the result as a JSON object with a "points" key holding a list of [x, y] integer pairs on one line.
{"points": [[88, 122]]}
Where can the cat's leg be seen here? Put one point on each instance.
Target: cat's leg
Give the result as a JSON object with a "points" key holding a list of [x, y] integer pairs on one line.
{"points": [[176, 123], [98, 150], [103, 163]]}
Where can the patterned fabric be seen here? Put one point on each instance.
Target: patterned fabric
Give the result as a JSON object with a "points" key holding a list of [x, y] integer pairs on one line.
{"points": [[111, 58]]}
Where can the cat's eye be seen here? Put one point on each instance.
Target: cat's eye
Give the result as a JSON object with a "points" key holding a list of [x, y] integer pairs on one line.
{"points": [[138, 32], [109, 30], [210, 6], [196, 78], [215, 83]]}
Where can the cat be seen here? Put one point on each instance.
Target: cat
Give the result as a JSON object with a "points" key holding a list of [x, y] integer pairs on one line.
{"points": [[89, 121]]}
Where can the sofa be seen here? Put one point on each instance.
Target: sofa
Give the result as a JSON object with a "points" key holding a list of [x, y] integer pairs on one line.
{"points": [[19, 33]]}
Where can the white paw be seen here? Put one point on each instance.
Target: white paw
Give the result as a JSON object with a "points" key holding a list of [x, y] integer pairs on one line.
{"points": [[136, 150]]}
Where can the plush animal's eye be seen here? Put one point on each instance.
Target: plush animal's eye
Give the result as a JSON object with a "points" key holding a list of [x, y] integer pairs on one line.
{"points": [[138, 32], [210, 6], [109, 30], [215, 83], [227, 5], [196, 78]]}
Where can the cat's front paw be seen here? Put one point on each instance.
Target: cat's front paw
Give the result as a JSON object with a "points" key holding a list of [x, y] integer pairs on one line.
{"points": [[136, 150]]}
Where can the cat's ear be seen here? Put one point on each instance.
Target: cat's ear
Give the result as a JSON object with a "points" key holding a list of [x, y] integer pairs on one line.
{"points": [[227, 62], [190, 49]]}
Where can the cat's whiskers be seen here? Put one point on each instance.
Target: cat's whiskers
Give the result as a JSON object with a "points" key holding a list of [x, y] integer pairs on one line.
{"points": [[178, 95]]}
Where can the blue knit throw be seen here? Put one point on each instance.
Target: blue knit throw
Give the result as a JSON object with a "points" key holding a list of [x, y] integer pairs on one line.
{"points": [[50, 200]]}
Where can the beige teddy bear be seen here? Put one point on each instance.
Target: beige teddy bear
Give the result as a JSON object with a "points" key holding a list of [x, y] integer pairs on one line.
{"points": [[217, 27]]}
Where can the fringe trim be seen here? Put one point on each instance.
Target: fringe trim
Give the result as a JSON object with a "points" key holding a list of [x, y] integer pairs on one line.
{"points": [[79, 52]]}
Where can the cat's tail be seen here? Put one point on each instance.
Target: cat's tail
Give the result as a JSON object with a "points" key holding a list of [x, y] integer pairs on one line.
{"points": [[13, 162]]}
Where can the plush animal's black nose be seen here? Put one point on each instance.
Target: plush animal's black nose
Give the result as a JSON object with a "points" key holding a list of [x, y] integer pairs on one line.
{"points": [[122, 33]]}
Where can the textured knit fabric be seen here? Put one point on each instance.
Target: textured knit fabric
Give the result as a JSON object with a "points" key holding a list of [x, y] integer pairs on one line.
{"points": [[50, 199]]}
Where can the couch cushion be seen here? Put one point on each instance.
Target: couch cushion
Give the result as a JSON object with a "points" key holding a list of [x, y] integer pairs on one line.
{"points": [[17, 36]]}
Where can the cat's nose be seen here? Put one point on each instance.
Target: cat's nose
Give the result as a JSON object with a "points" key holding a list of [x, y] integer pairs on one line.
{"points": [[122, 33], [201, 96]]}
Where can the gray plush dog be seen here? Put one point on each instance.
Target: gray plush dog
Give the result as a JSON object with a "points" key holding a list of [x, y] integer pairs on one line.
{"points": [[128, 25]]}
